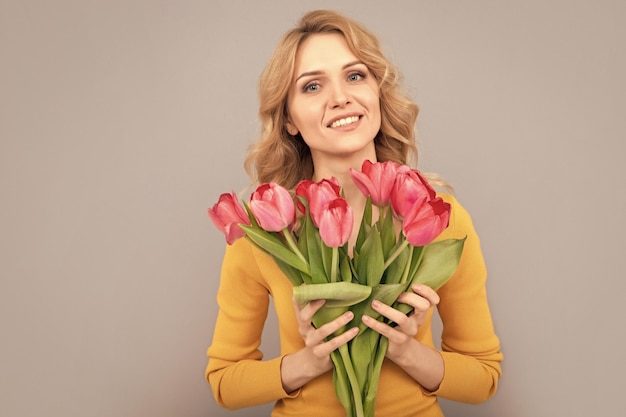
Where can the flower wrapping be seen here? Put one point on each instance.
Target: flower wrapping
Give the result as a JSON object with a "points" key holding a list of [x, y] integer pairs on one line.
{"points": [[307, 236]]}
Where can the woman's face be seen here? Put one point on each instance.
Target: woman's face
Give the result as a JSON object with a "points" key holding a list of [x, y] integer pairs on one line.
{"points": [[333, 101]]}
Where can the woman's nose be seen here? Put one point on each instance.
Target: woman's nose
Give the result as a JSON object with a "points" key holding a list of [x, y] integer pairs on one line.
{"points": [[339, 97]]}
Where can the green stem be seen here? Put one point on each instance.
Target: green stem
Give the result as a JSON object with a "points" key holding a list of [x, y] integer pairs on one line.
{"points": [[342, 385], [396, 253], [407, 267], [333, 265], [354, 383], [383, 211], [370, 395], [293, 246]]}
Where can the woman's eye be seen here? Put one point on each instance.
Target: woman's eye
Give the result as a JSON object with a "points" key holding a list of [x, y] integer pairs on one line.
{"points": [[355, 76], [309, 88]]}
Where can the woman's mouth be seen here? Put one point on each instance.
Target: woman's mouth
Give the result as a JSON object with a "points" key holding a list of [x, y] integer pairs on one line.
{"points": [[344, 122]]}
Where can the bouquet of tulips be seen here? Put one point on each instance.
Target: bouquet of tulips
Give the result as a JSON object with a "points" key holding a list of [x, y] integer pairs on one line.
{"points": [[307, 236]]}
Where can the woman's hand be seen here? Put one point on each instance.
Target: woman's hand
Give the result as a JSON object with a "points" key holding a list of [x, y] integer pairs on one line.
{"points": [[418, 360], [314, 359], [401, 337]]}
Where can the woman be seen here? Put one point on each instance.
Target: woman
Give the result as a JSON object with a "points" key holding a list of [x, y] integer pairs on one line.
{"points": [[342, 105]]}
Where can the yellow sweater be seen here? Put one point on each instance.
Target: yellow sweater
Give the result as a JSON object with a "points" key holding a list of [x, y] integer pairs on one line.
{"points": [[239, 377]]}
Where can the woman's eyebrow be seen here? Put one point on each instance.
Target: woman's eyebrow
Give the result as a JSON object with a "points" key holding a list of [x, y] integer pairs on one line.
{"points": [[309, 73], [318, 72], [351, 64]]}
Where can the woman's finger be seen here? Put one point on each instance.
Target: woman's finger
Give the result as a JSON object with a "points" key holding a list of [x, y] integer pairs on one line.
{"points": [[319, 335], [305, 313], [427, 293], [406, 324], [419, 303], [325, 349], [393, 334]]}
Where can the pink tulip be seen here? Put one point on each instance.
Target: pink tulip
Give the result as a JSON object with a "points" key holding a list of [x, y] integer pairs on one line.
{"points": [[303, 190], [318, 195], [336, 221], [410, 189], [376, 179], [227, 214], [273, 207], [425, 221]]}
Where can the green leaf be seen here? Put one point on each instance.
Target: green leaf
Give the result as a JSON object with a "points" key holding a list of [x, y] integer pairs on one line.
{"points": [[336, 294], [345, 270], [326, 314], [367, 211], [314, 243], [385, 293], [416, 260], [369, 398], [439, 262], [356, 393], [253, 221], [295, 276], [388, 231], [371, 266], [393, 273], [362, 350], [302, 241], [365, 227], [327, 259], [275, 247], [355, 275], [341, 383]]}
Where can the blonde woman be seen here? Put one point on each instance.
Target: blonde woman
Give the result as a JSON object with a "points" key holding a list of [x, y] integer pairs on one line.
{"points": [[329, 100]]}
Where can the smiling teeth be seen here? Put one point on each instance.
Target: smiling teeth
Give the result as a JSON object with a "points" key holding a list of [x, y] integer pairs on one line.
{"points": [[345, 121]]}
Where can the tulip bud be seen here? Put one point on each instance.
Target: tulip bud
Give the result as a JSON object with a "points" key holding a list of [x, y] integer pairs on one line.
{"points": [[410, 189], [272, 207], [227, 214], [425, 221], [318, 195], [336, 222], [377, 179]]}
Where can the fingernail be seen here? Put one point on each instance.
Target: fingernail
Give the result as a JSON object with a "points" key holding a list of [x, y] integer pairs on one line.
{"points": [[349, 315], [375, 303]]}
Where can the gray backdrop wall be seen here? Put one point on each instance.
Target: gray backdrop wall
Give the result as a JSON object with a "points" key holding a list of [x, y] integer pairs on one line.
{"points": [[122, 121]]}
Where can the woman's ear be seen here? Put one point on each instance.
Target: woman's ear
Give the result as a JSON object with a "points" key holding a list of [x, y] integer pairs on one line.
{"points": [[291, 129]]}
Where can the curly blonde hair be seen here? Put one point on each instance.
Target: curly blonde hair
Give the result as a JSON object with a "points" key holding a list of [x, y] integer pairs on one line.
{"points": [[285, 159]]}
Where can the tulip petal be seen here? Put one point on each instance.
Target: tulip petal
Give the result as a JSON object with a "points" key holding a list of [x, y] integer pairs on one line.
{"points": [[227, 214], [424, 222], [336, 222], [376, 180], [273, 207]]}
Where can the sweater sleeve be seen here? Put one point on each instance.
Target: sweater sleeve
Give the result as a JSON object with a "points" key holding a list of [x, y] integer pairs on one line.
{"points": [[470, 347], [236, 372]]}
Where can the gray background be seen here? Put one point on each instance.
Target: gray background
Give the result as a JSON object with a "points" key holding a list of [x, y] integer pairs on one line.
{"points": [[122, 121]]}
